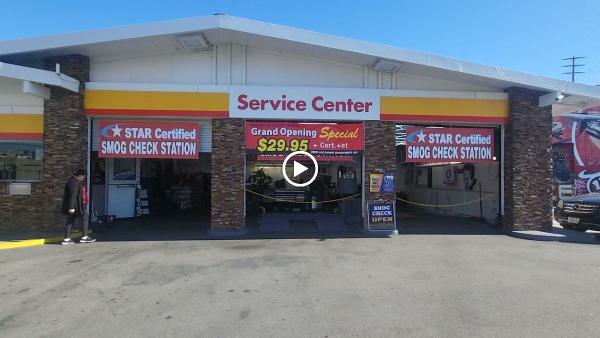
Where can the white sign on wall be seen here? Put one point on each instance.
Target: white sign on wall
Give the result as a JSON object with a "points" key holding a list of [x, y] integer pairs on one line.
{"points": [[303, 103]]}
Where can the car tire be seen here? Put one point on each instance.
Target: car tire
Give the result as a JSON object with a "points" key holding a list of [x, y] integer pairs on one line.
{"points": [[566, 226]]}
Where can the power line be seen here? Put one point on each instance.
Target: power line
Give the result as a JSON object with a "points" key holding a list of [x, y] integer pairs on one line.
{"points": [[574, 66]]}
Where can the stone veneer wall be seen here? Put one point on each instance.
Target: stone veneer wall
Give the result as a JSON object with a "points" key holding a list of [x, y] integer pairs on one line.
{"points": [[527, 163], [380, 155], [65, 149], [228, 159]]}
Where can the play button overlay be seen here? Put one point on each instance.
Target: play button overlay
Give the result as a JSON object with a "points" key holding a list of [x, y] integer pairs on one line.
{"points": [[299, 168]]}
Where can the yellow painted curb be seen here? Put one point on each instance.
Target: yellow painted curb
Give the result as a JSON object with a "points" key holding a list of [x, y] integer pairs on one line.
{"points": [[34, 242], [22, 244]]}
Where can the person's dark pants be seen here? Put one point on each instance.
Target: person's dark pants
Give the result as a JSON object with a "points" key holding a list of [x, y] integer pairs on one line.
{"points": [[82, 218]]}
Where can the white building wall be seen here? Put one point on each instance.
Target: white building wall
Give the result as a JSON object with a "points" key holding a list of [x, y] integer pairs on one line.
{"points": [[266, 68], [180, 67], [240, 65], [14, 101], [417, 82]]}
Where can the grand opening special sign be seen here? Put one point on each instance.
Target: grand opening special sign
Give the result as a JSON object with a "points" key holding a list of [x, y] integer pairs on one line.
{"points": [[141, 139], [320, 139], [434, 145]]}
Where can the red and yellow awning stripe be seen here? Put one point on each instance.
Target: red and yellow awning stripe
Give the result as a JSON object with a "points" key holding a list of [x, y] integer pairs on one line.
{"points": [[101, 102], [432, 109], [156, 104], [21, 127]]}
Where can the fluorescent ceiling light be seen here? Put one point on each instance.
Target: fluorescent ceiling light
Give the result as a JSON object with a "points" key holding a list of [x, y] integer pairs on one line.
{"points": [[387, 66], [438, 164], [192, 41]]}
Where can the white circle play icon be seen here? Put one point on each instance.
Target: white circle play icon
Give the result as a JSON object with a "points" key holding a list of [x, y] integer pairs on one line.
{"points": [[299, 168]]}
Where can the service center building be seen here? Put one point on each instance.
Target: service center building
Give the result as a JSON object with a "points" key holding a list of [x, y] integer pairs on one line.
{"points": [[195, 116]]}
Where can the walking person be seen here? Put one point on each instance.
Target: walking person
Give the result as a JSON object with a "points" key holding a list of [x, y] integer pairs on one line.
{"points": [[74, 206]]}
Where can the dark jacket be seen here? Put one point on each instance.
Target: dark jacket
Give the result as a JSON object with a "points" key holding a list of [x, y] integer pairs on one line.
{"points": [[72, 197]]}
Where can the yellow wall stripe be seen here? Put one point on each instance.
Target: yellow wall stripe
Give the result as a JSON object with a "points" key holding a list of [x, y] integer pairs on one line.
{"points": [[147, 100], [443, 107], [21, 123]]}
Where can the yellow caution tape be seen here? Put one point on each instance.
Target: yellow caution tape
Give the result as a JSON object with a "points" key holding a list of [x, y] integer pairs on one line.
{"points": [[356, 195], [445, 205], [282, 200]]}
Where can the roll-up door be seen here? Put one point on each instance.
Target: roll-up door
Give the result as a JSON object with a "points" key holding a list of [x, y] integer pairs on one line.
{"points": [[95, 135], [205, 135]]}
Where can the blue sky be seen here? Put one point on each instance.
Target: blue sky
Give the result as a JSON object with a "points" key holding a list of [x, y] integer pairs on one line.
{"points": [[527, 35]]}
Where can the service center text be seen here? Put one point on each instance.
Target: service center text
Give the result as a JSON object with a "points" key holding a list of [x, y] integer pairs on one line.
{"points": [[318, 103]]}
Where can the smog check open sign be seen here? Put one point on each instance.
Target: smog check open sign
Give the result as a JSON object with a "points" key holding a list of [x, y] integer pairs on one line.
{"points": [[433, 145], [381, 215]]}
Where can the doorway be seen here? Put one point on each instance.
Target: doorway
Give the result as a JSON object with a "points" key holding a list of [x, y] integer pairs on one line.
{"points": [[155, 193], [123, 174]]}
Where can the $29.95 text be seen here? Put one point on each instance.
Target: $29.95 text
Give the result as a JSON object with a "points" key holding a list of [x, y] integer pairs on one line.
{"points": [[279, 145]]}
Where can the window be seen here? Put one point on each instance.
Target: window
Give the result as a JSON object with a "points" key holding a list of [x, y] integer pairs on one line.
{"points": [[124, 169], [21, 161]]}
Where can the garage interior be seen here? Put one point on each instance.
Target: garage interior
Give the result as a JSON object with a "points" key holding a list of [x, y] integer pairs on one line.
{"points": [[462, 192], [171, 197], [332, 203]]}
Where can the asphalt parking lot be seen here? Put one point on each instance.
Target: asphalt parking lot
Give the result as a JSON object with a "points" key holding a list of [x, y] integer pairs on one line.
{"points": [[411, 285]]}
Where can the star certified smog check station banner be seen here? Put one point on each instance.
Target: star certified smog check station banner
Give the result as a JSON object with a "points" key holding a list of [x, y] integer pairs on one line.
{"points": [[323, 140], [434, 145], [140, 139]]}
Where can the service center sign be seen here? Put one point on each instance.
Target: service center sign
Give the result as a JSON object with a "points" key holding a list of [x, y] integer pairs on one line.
{"points": [[334, 139], [139, 139], [433, 145], [303, 103]]}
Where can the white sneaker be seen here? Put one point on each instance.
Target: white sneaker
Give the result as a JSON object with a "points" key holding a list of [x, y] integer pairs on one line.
{"points": [[87, 239], [67, 241]]}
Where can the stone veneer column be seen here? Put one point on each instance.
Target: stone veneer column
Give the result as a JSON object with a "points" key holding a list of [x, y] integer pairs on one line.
{"points": [[65, 149], [228, 159], [380, 155], [527, 163]]}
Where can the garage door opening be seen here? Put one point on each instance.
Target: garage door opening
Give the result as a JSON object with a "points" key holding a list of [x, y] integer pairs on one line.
{"points": [[299, 194], [150, 179], [448, 171]]}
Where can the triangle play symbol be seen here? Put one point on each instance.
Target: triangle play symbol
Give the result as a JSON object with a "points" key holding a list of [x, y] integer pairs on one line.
{"points": [[299, 168]]}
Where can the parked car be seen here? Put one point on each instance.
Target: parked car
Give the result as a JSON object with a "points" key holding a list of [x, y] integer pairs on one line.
{"points": [[580, 212]]}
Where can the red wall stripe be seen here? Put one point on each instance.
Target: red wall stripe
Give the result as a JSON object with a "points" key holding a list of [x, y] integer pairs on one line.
{"points": [[21, 136], [439, 118], [155, 113]]}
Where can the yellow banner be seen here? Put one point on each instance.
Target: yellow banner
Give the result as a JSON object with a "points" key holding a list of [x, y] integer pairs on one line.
{"points": [[148, 103]]}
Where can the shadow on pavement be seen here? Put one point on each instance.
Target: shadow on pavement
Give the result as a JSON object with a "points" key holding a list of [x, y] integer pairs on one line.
{"points": [[27, 235], [417, 222], [559, 234], [184, 229]]}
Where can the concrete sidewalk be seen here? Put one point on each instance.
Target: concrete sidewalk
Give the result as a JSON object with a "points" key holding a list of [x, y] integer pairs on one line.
{"points": [[559, 234], [415, 285]]}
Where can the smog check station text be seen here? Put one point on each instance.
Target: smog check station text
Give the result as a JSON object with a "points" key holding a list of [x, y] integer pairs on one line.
{"points": [[448, 144]]}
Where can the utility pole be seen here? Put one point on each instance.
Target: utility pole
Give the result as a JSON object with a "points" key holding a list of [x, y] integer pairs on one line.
{"points": [[574, 66]]}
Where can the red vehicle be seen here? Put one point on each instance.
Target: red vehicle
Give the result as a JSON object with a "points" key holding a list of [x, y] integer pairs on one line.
{"points": [[576, 150]]}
